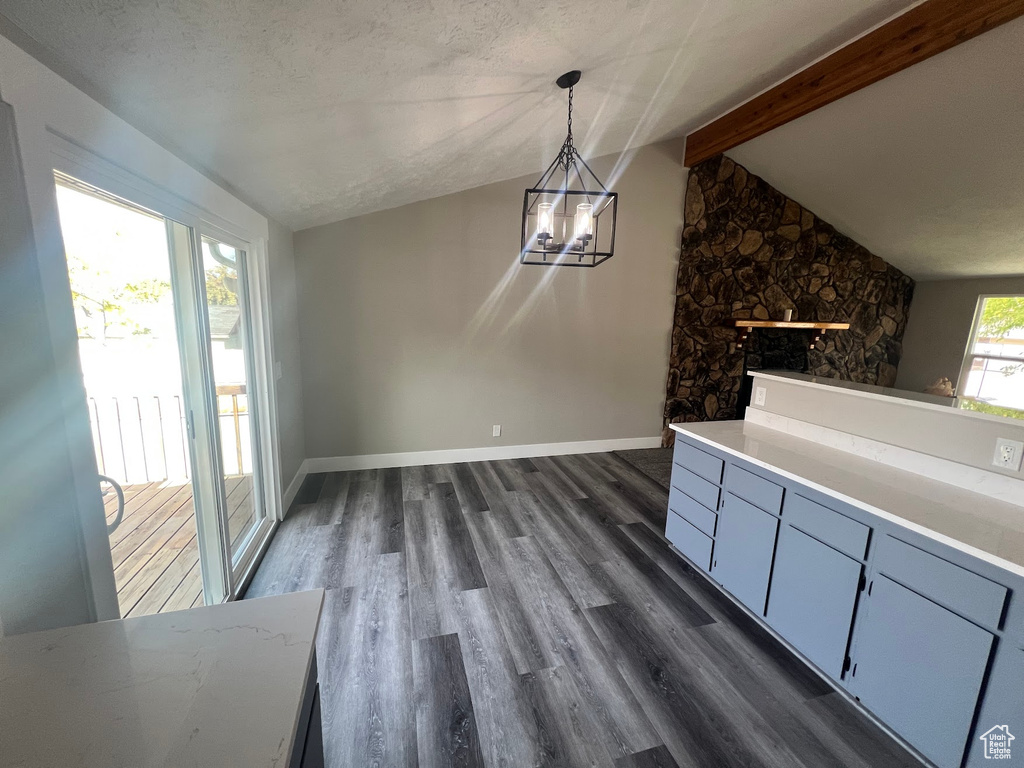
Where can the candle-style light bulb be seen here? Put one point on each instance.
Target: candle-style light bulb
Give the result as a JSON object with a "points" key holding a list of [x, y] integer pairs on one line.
{"points": [[545, 222], [584, 223]]}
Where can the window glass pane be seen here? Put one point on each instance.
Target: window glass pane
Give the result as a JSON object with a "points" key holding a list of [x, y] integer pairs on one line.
{"points": [[1001, 328], [994, 379], [224, 269], [996, 382]]}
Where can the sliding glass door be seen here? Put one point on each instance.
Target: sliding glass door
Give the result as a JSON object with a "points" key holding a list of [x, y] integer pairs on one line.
{"points": [[229, 337], [166, 341]]}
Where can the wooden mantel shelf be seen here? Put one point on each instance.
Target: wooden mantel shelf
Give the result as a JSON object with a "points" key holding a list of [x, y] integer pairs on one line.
{"points": [[745, 326], [741, 323]]}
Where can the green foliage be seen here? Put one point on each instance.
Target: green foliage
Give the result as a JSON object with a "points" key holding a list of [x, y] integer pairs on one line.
{"points": [[1002, 315], [96, 292], [969, 404], [221, 286]]}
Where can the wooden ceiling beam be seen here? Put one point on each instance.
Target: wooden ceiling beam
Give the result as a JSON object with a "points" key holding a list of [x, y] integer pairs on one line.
{"points": [[923, 31]]}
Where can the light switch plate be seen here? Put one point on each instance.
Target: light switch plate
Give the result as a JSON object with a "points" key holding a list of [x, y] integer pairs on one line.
{"points": [[760, 394], [278, 371], [1008, 454]]}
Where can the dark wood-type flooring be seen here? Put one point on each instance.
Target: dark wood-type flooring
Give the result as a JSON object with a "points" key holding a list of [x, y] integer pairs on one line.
{"points": [[529, 612]]}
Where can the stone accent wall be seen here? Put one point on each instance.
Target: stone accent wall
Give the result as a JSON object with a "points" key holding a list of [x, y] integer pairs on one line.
{"points": [[749, 251]]}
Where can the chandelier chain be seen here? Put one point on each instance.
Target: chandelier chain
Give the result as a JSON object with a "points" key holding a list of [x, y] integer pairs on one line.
{"points": [[570, 113], [565, 156]]}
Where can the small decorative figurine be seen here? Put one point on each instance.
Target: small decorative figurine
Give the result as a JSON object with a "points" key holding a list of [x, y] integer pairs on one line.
{"points": [[942, 387]]}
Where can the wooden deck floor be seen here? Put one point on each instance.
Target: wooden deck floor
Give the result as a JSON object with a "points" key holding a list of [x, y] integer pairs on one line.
{"points": [[154, 549]]}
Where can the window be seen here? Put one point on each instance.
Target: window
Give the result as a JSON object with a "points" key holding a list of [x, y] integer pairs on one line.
{"points": [[992, 379]]}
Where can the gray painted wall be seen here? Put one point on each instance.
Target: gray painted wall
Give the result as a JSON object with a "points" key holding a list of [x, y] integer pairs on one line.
{"points": [[961, 436], [940, 326], [285, 321], [420, 330]]}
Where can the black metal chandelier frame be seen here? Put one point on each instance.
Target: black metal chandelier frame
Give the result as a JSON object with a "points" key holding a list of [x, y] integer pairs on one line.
{"points": [[591, 208]]}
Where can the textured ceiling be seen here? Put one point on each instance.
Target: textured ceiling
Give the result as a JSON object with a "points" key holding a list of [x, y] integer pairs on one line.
{"points": [[317, 110], [924, 168]]}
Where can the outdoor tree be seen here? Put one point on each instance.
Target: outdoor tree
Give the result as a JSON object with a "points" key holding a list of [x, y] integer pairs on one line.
{"points": [[221, 286], [106, 302], [1002, 315], [99, 295]]}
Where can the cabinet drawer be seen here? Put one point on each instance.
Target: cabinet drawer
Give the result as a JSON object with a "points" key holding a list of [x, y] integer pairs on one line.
{"points": [[696, 487], [963, 591], [688, 540], [838, 531], [755, 489], [702, 463], [692, 512]]}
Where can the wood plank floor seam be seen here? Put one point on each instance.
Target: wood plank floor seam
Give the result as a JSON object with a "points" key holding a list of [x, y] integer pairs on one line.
{"points": [[529, 612]]}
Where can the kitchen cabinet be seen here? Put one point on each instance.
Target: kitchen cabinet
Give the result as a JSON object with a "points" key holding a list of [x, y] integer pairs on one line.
{"points": [[689, 540], [744, 548], [1003, 706], [924, 630], [814, 592], [693, 502], [919, 667], [753, 488]]}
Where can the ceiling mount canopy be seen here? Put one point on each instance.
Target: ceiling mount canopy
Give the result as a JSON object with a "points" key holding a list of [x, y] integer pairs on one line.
{"points": [[569, 214]]}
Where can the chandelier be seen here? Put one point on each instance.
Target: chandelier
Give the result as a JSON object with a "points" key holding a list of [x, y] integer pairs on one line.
{"points": [[568, 215]]}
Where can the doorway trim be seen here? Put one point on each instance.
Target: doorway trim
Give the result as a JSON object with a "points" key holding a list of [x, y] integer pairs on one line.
{"points": [[69, 158]]}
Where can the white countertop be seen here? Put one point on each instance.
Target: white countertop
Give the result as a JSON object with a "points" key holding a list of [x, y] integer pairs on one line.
{"points": [[984, 527], [218, 686]]}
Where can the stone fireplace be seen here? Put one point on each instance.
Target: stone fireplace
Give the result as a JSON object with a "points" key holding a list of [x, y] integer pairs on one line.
{"points": [[748, 251]]}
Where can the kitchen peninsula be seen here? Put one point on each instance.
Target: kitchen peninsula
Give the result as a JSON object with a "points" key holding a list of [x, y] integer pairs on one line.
{"points": [[900, 588]]}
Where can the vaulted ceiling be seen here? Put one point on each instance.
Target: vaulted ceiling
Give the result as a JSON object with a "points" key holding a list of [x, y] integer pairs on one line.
{"points": [[318, 110], [924, 168]]}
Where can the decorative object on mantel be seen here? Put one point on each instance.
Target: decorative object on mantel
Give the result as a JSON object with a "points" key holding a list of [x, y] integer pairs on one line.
{"points": [[566, 225], [942, 387], [746, 327]]}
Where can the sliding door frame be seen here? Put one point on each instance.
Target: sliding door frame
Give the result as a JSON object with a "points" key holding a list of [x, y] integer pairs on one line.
{"points": [[227, 581]]}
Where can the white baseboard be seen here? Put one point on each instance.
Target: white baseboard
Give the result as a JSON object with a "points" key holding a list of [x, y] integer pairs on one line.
{"points": [[293, 488], [458, 455]]}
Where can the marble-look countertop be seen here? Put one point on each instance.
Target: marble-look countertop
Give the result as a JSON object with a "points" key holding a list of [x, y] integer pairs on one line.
{"points": [[214, 686], [979, 525]]}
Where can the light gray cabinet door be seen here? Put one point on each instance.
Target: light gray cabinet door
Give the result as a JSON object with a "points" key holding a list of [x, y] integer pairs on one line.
{"points": [[813, 595], [1002, 709], [744, 548], [919, 667]]}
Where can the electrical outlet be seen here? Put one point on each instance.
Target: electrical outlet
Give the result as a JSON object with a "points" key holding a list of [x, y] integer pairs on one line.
{"points": [[760, 395], [496, 430], [1008, 454]]}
